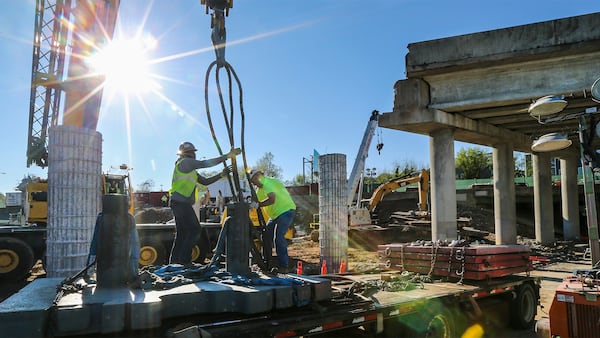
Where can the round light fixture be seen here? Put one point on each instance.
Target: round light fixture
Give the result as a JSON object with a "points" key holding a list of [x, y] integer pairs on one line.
{"points": [[551, 142], [547, 105], [596, 90]]}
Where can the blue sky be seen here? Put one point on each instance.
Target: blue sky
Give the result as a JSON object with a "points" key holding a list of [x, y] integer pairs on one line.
{"points": [[311, 74]]}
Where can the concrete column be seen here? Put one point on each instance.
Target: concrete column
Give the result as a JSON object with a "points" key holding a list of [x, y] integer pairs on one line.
{"points": [[505, 212], [542, 198], [569, 193], [333, 211], [443, 185], [74, 197]]}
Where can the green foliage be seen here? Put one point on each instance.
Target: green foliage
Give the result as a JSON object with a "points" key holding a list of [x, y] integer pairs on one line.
{"points": [[298, 180], [268, 166], [146, 186], [473, 163], [22, 186], [406, 169]]}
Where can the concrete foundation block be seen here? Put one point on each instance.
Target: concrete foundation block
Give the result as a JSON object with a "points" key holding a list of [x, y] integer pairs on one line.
{"points": [[303, 293], [25, 314], [321, 287], [283, 296], [146, 311]]}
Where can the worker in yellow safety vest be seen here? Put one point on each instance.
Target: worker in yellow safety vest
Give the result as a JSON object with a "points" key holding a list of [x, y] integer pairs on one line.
{"points": [[277, 203], [183, 196]]}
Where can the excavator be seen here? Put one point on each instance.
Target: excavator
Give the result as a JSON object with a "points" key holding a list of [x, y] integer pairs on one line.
{"points": [[362, 215]]}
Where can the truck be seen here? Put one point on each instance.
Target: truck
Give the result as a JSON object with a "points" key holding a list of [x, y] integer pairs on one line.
{"points": [[22, 245], [200, 302]]}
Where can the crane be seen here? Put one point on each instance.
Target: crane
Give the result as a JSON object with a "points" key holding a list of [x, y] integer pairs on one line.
{"points": [[65, 33], [361, 157]]}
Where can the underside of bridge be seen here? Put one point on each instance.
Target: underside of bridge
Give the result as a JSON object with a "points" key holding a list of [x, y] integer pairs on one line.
{"points": [[478, 88]]}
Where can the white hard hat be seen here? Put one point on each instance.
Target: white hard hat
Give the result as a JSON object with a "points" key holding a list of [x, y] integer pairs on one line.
{"points": [[186, 148]]}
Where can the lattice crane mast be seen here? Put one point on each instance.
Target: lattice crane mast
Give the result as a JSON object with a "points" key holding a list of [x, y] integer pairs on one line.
{"points": [[65, 33]]}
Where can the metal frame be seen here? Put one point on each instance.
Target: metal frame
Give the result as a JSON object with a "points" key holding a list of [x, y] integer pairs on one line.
{"points": [[47, 69]]}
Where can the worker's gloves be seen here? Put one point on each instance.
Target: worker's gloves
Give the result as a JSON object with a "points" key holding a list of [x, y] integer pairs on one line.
{"points": [[234, 152], [253, 205], [226, 171]]}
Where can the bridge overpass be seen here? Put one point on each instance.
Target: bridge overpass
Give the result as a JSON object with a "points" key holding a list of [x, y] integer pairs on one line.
{"points": [[478, 88]]}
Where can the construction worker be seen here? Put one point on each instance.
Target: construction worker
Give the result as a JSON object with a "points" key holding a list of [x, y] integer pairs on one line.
{"points": [[279, 206], [183, 196]]}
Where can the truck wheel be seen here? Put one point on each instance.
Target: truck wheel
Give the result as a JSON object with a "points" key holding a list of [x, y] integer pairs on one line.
{"points": [[16, 259], [196, 253], [314, 236], [523, 308], [441, 325], [152, 254]]}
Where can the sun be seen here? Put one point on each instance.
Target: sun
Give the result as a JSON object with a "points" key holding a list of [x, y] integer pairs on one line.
{"points": [[126, 66]]}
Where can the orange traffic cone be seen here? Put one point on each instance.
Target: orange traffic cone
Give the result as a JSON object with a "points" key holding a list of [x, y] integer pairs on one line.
{"points": [[343, 266], [324, 268], [299, 268]]}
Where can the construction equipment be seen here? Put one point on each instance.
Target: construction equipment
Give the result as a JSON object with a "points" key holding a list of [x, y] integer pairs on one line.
{"points": [[35, 206], [52, 38], [362, 215], [21, 245], [575, 309], [354, 191], [178, 301]]}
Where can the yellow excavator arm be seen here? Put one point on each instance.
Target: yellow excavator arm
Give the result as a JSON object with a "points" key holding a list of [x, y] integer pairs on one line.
{"points": [[387, 187]]}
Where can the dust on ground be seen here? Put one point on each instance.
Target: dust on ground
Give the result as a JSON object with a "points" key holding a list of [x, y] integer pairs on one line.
{"points": [[304, 249]]}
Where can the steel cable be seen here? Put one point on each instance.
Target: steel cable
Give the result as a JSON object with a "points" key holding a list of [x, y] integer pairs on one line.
{"points": [[218, 41]]}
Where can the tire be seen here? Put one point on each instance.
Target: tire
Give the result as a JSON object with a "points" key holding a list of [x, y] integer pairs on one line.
{"points": [[196, 254], [152, 253], [314, 236], [16, 259], [441, 325], [523, 308]]}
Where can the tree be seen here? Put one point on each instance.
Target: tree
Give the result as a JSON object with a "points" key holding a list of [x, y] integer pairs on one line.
{"points": [[523, 165], [406, 169], [298, 180], [22, 186], [267, 166], [473, 163], [146, 186]]}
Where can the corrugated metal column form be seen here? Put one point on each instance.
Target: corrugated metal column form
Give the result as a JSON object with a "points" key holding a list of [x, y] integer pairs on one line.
{"points": [[333, 211], [74, 197]]}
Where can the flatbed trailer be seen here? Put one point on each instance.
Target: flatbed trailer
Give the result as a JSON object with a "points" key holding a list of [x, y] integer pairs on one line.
{"points": [[439, 309], [373, 305]]}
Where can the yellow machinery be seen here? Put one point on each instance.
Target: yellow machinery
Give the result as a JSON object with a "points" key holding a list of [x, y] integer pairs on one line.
{"points": [[119, 184], [36, 206], [253, 213], [361, 215]]}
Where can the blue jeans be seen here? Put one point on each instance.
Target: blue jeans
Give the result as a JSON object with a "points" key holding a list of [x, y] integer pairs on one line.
{"points": [[279, 227]]}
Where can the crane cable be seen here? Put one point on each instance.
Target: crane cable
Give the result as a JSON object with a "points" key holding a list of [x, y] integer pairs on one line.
{"points": [[220, 9]]}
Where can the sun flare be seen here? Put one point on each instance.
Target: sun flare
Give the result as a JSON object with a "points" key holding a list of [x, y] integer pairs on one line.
{"points": [[125, 64]]}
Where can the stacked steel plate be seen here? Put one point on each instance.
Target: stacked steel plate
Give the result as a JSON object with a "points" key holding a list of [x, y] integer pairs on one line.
{"points": [[477, 262]]}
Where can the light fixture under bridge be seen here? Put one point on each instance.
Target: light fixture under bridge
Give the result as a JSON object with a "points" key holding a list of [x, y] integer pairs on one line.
{"points": [[551, 142], [547, 105]]}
